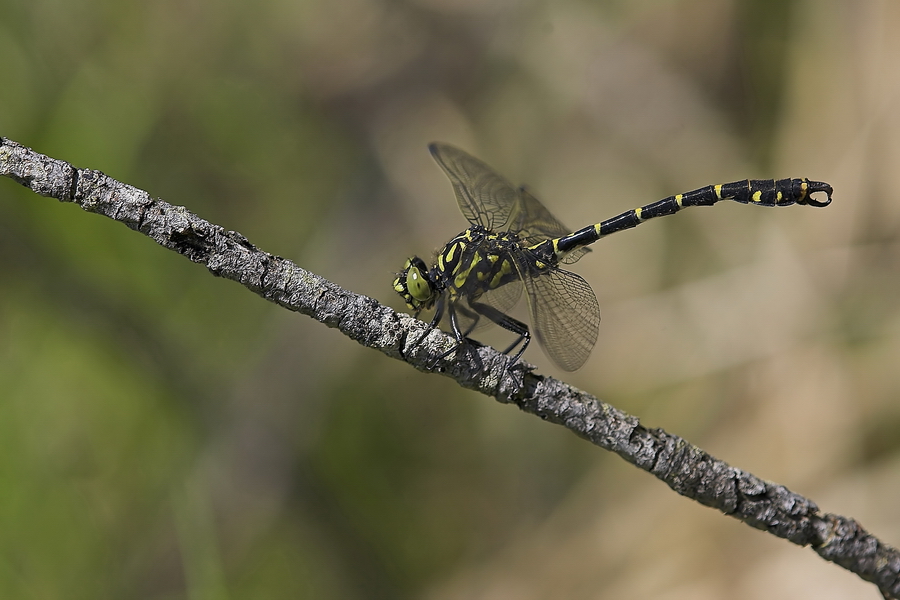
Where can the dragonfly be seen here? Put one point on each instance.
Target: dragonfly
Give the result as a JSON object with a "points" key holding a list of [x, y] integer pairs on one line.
{"points": [[514, 246]]}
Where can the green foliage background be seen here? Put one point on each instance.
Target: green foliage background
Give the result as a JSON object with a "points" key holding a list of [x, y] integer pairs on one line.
{"points": [[165, 434]]}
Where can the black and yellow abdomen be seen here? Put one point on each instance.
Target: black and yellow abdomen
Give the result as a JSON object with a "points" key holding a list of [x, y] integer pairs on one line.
{"points": [[762, 192]]}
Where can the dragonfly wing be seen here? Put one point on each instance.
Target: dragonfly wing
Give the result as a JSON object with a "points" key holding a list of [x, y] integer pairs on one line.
{"points": [[565, 315], [467, 318], [504, 297], [485, 198], [532, 221]]}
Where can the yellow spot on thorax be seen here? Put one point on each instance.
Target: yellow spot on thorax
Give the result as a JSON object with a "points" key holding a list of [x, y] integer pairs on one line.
{"points": [[452, 251], [464, 273], [505, 269]]}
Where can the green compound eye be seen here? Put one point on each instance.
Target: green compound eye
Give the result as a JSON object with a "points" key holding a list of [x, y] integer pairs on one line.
{"points": [[417, 285]]}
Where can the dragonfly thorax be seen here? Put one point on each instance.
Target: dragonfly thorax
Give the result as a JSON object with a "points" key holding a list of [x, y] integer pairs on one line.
{"points": [[469, 265]]}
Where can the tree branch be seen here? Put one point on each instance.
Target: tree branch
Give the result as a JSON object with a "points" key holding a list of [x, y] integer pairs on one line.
{"points": [[684, 467]]}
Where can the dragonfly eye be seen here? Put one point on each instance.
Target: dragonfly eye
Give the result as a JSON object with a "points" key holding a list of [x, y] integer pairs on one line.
{"points": [[418, 285], [414, 285]]}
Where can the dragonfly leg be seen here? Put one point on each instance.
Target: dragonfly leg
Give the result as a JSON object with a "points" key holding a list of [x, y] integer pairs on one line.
{"points": [[438, 315], [472, 316], [454, 326], [510, 324]]}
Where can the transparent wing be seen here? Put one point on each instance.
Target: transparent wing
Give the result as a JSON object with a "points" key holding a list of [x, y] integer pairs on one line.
{"points": [[467, 318], [532, 221], [565, 316], [485, 198], [502, 298]]}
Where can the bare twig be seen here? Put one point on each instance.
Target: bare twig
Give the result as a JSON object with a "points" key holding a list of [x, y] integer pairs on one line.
{"points": [[684, 467]]}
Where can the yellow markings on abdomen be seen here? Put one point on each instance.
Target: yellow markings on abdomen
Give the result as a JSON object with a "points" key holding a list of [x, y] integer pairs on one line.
{"points": [[637, 214], [757, 196]]}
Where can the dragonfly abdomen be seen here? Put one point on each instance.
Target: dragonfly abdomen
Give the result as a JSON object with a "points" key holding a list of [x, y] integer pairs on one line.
{"points": [[764, 192]]}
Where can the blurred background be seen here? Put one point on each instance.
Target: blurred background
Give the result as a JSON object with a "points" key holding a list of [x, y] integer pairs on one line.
{"points": [[165, 434]]}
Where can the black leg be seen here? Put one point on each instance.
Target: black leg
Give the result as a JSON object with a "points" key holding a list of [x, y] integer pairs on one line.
{"points": [[454, 326], [506, 322], [472, 316], [438, 315]]}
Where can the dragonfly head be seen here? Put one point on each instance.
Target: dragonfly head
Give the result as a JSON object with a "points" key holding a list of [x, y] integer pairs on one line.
{"points": [[415, 286]]}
